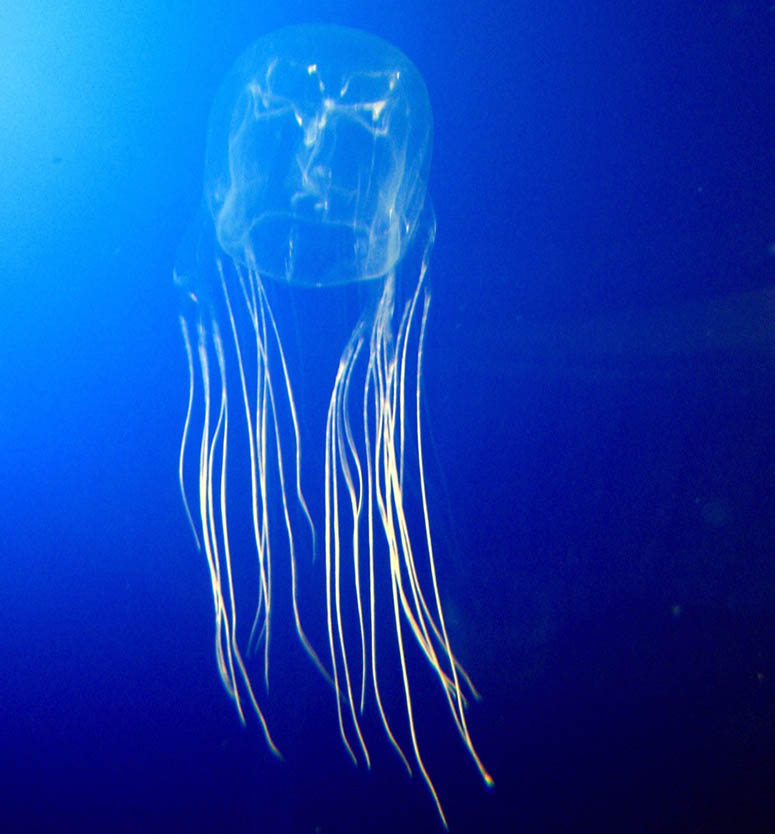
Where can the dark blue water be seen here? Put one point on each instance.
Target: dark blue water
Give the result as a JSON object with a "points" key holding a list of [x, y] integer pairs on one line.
{"points": [[600, 369]]}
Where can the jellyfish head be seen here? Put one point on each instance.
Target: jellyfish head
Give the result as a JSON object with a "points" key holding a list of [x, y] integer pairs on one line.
{"points": [[317, 157]]}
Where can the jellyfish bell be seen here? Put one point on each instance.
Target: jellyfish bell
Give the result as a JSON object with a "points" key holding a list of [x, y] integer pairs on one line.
{"points": [[318, 154], [317, 159]]}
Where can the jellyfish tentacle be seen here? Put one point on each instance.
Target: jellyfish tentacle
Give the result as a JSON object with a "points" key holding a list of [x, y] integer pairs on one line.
{"points": [[186, 427], [384, 454], [294, 417], [371, 387], [219, 438], [306, 643], [253, 454], [208, 535], [214, 526], [335, 459], [262, 419], [454, 666], [386, 479], [410, 604], [331, 545], [346, 445], [234, 651]]}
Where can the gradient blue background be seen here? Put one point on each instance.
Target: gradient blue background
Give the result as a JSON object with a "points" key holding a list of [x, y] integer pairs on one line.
{"points": [[600, 369]]}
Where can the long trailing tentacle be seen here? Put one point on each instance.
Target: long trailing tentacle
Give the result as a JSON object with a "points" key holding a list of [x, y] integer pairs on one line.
{"points": [[261, 426], [364, 468], [416, 602]]}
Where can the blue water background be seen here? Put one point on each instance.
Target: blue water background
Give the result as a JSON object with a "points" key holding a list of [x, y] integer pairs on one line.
{"points": [[600, 372]]}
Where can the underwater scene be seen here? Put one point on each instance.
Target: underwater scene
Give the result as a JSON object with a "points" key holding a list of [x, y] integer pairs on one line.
{"points": [[387, 417]]}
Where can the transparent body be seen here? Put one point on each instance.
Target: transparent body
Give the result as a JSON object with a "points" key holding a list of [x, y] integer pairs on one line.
{"points": [[317, 159], [317, 156]]}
